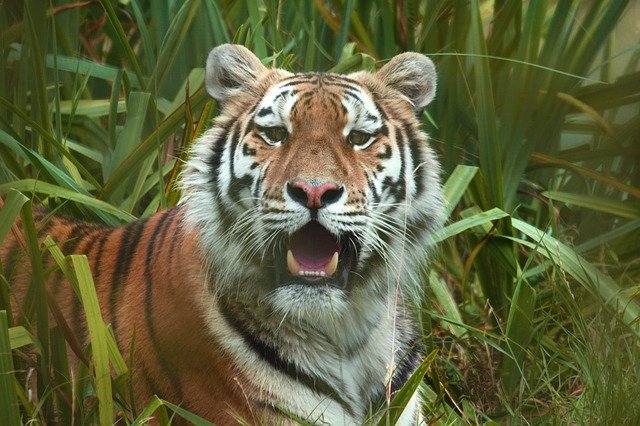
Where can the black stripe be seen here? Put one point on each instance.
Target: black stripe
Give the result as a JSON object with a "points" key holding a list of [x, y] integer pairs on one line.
{"points": [[414, 147], [174, 241], [159, 231], [150, 382], [235, 136], [77, 312], [257, 189], [265, 111], [127, 249], [331, 77], [386, 154], [214, 161], [225, 213], [216, 157], [271, 356], [380, 110], [353, 95], [407, 365], [374, 192], [236, 185], [283, 94], [401, 183], [249, 152]]}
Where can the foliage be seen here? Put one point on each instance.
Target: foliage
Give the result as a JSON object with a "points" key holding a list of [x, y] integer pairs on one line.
{"points": [[532, 300]]}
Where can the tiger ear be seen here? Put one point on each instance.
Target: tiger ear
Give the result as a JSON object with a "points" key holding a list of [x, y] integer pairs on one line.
{"points": [[230, 67], [413, 75]]}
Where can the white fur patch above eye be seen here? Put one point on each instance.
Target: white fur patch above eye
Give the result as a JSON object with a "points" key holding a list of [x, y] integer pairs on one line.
{"points": [[362, 114], [274, 109]]}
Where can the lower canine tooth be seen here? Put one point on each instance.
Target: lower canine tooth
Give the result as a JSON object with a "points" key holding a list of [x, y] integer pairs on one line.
{"points": [[292, 264], [331, 267]]}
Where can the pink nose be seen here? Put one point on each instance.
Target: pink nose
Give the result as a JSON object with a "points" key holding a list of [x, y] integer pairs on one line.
{"points": [[314, 196]]}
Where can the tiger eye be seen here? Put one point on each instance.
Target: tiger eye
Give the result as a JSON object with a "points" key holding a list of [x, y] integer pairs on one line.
{"points": [[357, 138], [275, 134]]}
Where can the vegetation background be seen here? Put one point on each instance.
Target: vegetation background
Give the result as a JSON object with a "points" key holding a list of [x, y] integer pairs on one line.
{"points": [[532, 300]]}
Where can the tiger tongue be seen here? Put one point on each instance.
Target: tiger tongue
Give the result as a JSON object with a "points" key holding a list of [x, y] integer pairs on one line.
{"points": [[313, 251]]}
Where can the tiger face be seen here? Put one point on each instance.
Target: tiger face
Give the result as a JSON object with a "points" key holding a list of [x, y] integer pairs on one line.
{"points": [[314, 189]]}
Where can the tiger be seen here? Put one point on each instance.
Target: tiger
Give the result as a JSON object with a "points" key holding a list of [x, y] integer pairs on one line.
{"points": [[284, 284]]}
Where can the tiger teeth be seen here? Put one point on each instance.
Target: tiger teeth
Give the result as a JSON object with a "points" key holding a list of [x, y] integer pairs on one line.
{"points": [[312, 274], [295, 269], [292, 264], [331, 267]]}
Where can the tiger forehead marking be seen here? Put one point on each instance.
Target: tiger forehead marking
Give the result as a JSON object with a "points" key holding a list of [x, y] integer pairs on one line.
{"points": [[319, 111], [313, 100]]}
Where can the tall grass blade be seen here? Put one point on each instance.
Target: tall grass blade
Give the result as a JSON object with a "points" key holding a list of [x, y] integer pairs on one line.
{"points": [[517, 336], [122, 40], [9, 412], [131, 133], [399, 402], [97, 337]]}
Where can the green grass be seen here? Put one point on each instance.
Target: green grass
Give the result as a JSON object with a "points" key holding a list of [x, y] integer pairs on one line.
{"points": [[532, 300]]}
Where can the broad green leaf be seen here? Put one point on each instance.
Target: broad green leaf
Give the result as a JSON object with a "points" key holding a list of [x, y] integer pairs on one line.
{"points": [[36, 186], [85, 67], [90, 107], [456, 186], [601, 240], [10, 211], [627, 209], [19, 337], [462, 225], [448, 304]]}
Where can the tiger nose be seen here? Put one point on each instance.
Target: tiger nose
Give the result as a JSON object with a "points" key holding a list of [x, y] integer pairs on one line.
{"points": [[314, 196]]}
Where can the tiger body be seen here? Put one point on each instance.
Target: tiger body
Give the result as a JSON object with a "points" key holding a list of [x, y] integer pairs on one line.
{"points": [[282, 284]]}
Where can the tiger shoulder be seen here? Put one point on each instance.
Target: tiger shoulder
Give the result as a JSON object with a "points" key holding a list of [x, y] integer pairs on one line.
{"points": [[283, 284]]}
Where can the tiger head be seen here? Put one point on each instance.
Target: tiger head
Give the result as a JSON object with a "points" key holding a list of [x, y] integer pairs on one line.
{"points": [[313, 190]]}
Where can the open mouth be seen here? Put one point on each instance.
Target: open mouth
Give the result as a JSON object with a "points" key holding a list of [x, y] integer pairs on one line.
{"points": [[314, 256]]}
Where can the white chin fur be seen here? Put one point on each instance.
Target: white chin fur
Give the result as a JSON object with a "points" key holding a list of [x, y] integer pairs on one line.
{"points": [[307, 301]]}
